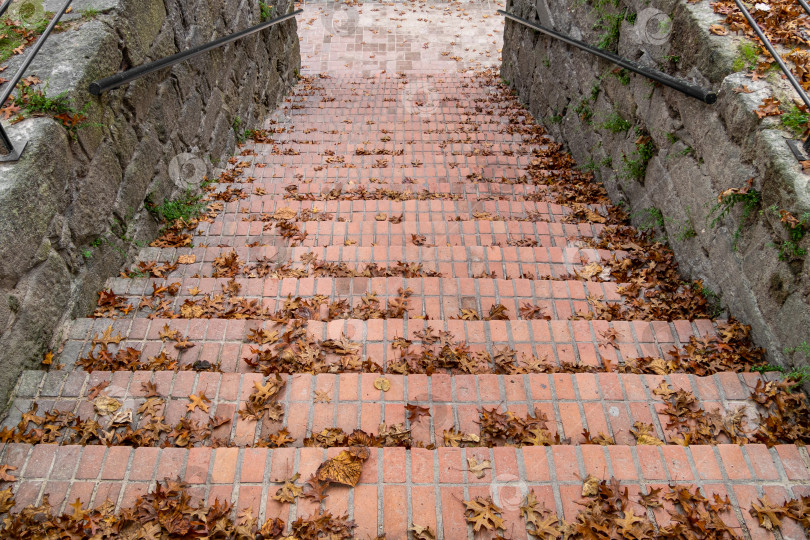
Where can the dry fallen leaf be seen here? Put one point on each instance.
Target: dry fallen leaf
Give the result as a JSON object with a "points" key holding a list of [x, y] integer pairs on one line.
{"points": [[187, 259], [483, 514], [590, 486], [48, 359], [105, 405], [478, 469], [422, 533], [664, 390], [645, 434], [198, 401], [289, 491], [285, 213], [345, 468], [4, 476], [381, 383]]}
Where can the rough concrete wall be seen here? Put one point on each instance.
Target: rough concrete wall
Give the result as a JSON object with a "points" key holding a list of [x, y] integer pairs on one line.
{"points": [[699, 150], [72, 209]]}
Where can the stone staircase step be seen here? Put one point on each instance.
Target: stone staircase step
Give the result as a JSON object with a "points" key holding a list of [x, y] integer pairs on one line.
{"points": [[237, 233], [605, 404], [432, 298], [225, 342], [400, 487], [416, 210], [315, 186], [451, 262]]}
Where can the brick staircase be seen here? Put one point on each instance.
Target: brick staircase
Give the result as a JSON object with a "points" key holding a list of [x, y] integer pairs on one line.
{"points": [[454, 233]]}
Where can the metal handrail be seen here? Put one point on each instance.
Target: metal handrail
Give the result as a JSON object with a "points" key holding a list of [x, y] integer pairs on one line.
{"points": [[793, 82], [14, 153], [805, 5], [110, 83], [706, 96], [4, 7]]}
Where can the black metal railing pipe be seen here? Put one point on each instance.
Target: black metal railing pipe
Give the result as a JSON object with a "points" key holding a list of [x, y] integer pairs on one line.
{"points": [[767, 43], [805, 5], [10, 85], [769, 46], [119, 79], [4, 7], [31, 55], [706, 96]]}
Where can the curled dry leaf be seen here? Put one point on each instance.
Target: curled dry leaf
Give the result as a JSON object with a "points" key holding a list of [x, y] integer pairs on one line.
{"points": [[106, 405], [4, 473], [422, 533], [478, 468], [381, 383], [289, 491], [483, 514], [285, 213], [645, 434], [590, 486], [345, 468]]}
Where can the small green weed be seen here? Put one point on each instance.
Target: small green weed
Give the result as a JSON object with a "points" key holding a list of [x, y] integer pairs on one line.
{"points": [[595, 90], [748, 197], [796, 120], [622, 75], [803, 348], [589, 166], [266, 11], [610, 24], [797, 228], [635, 167], [713, 299], [653, 217], [34, 101], [187, 206], [615, 123], [584, 111], [747, 57]]}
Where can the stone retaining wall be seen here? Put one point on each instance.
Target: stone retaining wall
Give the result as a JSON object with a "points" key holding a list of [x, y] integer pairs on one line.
{"points": [[698, 150], [72, 209]]}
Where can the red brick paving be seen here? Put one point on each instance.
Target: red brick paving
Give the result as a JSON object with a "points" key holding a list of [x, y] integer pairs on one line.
{"points": [[398, 486]]}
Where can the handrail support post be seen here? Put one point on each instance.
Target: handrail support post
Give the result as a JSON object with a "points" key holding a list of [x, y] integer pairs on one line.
{"points": [[9, 151]]}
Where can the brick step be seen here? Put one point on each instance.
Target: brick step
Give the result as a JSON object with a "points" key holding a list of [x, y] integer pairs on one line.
{"points": [[433, 298], [413, 162], [235, 233], [458, 262], [365, 149], [400, 487], [604, 404], [226, 342], [434, 223], [317, 185], [277, 180], [415, 210], [314, 134]]}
